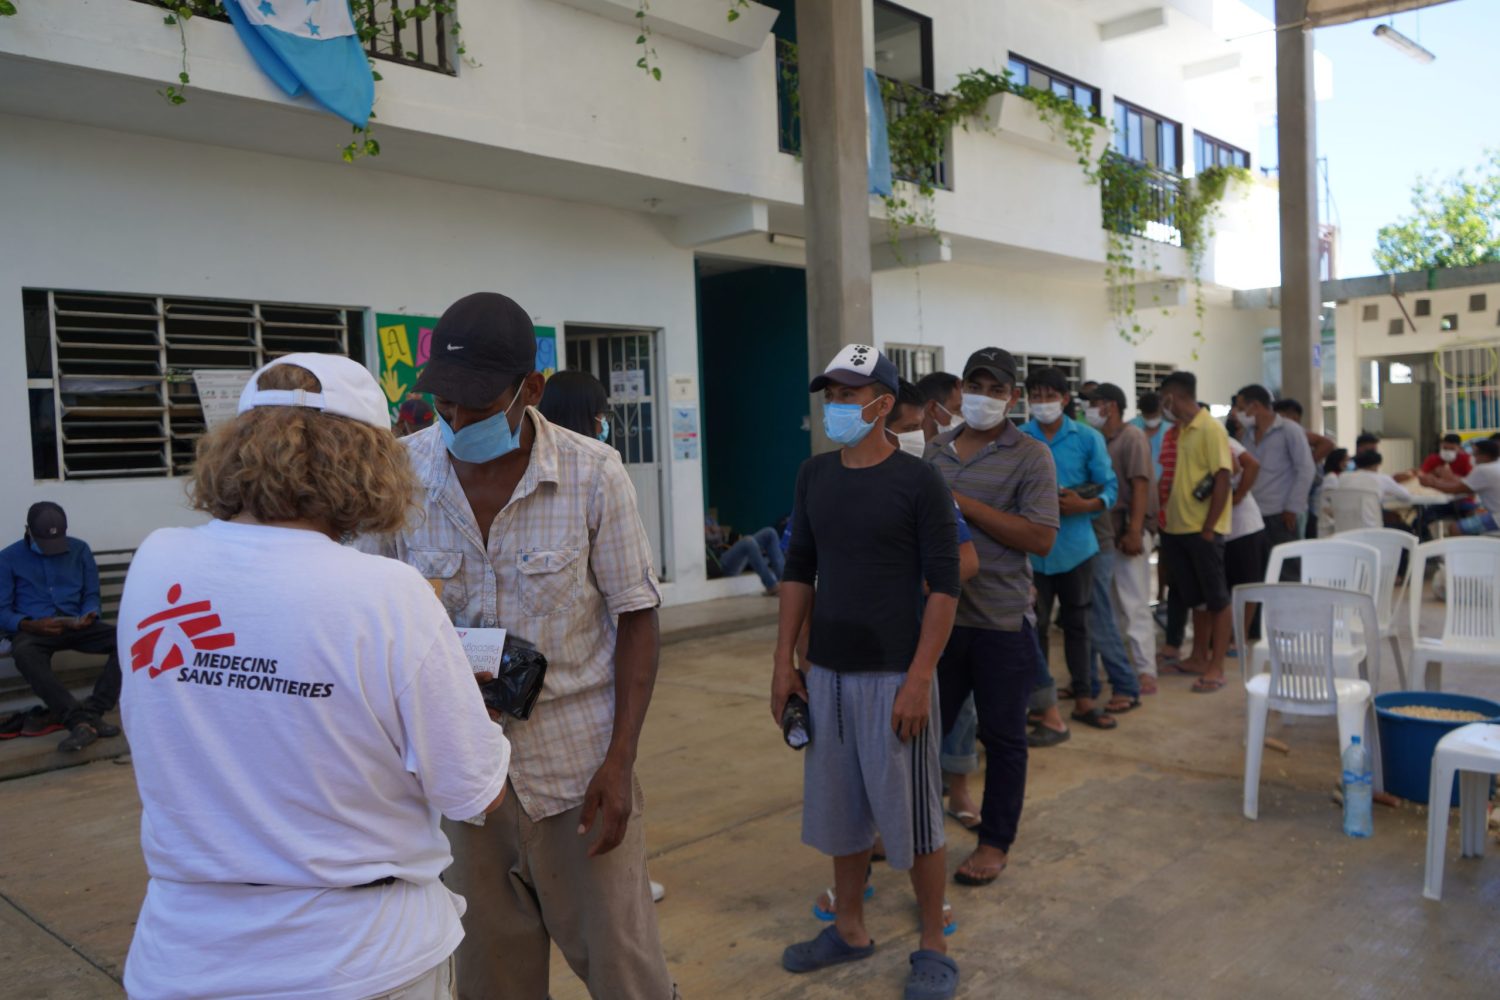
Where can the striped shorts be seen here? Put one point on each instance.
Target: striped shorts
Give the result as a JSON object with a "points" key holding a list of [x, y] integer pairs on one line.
{"points": [[859, 778]]}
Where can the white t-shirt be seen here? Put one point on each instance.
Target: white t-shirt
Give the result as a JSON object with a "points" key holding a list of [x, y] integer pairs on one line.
{"points": [[1244, 517], [1484, 480], [299, 714]]}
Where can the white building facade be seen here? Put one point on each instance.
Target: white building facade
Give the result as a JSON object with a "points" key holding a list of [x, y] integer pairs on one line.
{"points": [[655, 225]]}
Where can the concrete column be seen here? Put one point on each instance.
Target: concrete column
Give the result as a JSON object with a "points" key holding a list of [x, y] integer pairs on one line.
{"points": [[1296, 140], [835, 179]]}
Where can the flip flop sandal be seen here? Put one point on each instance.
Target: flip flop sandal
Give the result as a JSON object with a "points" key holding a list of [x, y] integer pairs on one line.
{"points": [[949, 924], [1094, 717], [933, 976], [828, 915], [1043, 737], [1148, 684], [966, 819], [823, 951], [1175, 667], [1207, 685], [988, 874], [1131, 705]]}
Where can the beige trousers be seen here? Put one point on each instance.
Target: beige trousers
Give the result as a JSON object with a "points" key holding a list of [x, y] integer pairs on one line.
{"points": [[528, 884], [434, 984]]}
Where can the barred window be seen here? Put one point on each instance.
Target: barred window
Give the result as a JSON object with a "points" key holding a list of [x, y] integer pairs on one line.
{"points": [[1148, 376], [110, 377], [913, 361]]}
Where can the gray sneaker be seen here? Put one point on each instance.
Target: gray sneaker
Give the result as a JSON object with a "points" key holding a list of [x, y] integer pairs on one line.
{"points": [[83, 734]]}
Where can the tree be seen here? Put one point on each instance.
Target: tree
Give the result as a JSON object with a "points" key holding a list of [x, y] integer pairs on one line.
{"points": [[1455, 223]]}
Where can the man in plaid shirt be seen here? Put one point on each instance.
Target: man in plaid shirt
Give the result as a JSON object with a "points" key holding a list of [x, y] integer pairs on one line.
{"points": [[531, 528]]}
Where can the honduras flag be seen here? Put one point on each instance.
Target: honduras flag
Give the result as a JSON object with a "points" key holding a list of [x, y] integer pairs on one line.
{"points": [[879, 148], [309, 45]]}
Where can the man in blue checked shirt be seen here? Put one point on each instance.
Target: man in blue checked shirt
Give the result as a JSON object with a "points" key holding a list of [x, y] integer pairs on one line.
{"points": [[1065, 575]]}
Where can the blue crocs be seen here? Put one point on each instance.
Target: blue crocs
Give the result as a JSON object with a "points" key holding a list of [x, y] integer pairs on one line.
{"points": [[934, 976], [824, 950]]}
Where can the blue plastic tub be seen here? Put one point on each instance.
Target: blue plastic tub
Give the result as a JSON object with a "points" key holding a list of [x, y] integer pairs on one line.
{"points": [[1407, 744]]}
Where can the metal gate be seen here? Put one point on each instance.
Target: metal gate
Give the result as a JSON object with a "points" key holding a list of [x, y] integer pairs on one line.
{"points": [[625, 362], [1470, 380]]}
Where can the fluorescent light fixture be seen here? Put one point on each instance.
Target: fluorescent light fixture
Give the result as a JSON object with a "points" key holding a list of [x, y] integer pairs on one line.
{"points": [[1400, 41]]}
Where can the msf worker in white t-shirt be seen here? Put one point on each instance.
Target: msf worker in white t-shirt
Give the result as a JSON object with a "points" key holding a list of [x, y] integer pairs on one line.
{"points": [[300, 714]]}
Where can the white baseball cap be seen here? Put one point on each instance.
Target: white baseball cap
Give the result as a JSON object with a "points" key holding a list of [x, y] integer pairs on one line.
{"points": [[349, 390]]}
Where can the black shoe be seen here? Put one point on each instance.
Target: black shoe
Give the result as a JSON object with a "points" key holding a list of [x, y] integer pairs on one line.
{"points": [[10, 726], [83, 735], [105, 730], [40, 722]]}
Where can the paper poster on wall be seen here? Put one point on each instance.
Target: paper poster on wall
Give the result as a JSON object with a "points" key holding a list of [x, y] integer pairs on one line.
{"points": [[685, 433], [219, 392], [404, 343], [627, 386], [682, 389]]}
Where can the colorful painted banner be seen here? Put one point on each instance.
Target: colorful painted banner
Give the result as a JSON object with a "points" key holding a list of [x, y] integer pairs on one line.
{"points": [[404, 343]]}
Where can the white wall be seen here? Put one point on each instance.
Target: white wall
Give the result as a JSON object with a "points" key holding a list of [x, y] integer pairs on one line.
{"points": [[94, 210], [965, 308], [1374, 339]]}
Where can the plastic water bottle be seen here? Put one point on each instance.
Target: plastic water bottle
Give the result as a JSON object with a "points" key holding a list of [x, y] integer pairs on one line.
{"points": [[1359, 789]]}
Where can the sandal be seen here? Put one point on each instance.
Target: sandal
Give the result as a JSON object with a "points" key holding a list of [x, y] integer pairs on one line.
{"points": [[966, 819], [822, 951], [1044, 736], [827, 915], [1131, 703], [1207, 685], [1065, 694], [933, 976], [987, 873], [949, 923], [1148, 683], [1096, 718]]}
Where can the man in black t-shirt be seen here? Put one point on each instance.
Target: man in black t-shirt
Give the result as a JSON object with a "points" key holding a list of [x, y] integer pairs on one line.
{"points": [[871, 524]]}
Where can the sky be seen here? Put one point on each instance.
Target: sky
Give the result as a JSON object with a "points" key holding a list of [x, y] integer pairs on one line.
{"points": [[1392, 118]]}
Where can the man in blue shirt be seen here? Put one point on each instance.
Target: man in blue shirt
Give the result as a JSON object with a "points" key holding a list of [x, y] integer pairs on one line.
{"points": [[49, 602], [1065, 574]]}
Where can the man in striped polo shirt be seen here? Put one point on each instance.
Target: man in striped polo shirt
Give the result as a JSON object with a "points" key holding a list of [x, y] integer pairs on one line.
{"points": [[1006, 488]]}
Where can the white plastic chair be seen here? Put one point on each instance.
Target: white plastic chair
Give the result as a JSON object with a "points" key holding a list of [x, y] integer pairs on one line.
{"points": [[1473, 753], [1300, 623], [1392, 545], [1356, 506], [1328, 562], [1471, 602]]}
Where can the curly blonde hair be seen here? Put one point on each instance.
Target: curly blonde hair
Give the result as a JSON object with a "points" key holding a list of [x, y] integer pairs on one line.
{"points": [[292, 463]]}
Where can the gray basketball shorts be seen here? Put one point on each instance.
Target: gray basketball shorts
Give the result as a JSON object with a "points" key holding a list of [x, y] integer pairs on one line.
{"points": [[859, 778]]}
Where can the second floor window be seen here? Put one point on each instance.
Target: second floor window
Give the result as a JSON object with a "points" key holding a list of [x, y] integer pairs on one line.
{"points": [[903, 45], [1026, 73], [1210, 152], [1148, 137]]}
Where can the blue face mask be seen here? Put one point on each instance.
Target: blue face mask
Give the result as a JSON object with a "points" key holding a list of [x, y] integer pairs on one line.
{"points": [[483, 441], [36, 548], [603, 434], [845, 423]]}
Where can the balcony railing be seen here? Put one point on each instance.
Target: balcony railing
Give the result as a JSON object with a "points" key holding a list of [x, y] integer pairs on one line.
{"points": [[1139, 199], [415, 33], [899, 98]]}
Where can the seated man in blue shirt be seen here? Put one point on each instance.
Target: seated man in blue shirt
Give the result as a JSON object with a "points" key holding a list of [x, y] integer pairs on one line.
{"points": [[1065, 574], [49, 601]]}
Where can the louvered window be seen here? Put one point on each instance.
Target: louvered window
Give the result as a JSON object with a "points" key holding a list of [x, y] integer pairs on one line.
{"points": [[110, 377]]}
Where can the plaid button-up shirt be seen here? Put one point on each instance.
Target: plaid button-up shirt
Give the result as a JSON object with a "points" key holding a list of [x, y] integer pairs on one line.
{"points": [[565, 556]]}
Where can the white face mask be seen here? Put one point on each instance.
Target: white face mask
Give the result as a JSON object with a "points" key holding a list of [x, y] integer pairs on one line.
{"points": [[1047, 413], [1447, 454], [1152, 423], [984, 412], [944, 418], [1243, 419], [1094, 416], [912, 442]]}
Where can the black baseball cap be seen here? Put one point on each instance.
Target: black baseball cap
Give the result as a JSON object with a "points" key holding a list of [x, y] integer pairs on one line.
{"points": [[48, 527], [480, 346], [995, 360], [1108, 391]]}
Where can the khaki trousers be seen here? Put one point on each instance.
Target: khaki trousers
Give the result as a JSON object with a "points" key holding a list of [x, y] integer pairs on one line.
{"points": [[529, 884]]}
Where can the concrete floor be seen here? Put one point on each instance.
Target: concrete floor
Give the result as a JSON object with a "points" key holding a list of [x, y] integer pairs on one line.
{"points": [[1134, 876]]}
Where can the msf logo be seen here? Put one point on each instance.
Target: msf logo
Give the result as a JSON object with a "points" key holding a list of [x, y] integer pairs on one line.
{"points": [[193, 625]]}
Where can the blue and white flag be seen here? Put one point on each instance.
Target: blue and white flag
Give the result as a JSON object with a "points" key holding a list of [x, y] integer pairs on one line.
{"points": [[312, 46], [880, 145]]}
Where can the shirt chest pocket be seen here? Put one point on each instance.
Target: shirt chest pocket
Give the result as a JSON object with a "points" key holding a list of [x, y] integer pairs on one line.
{"points": [[550, 580], [443, 570]]}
